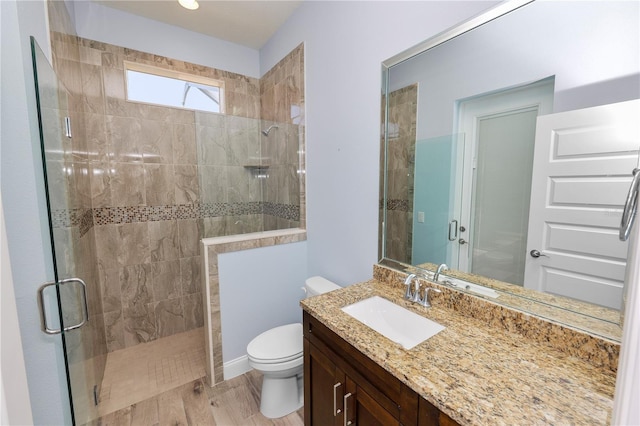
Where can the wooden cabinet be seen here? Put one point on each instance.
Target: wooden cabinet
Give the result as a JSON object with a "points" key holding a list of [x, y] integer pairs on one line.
{"points": [[342, 382]]}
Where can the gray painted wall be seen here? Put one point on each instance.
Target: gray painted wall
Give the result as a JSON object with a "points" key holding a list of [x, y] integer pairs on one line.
{"points": [[259, 289], [345, 43], [592, 48]]}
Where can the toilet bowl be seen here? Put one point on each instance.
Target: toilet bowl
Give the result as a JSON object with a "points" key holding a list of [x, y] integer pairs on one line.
{"points": [[277, 354]]}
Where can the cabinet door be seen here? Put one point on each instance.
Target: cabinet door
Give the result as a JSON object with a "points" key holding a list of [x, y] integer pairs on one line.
{"points": [[324, 390], [429, 415], [362, 409]]}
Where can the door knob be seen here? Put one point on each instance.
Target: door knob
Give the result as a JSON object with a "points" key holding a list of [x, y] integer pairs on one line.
{"points": [[536, 254], [462, 241]]}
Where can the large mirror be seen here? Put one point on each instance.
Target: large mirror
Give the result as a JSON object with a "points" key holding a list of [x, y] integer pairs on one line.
{"points": [[473, 121]]}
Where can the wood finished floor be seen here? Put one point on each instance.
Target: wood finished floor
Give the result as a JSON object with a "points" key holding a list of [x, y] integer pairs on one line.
{"points": [[232, 403], [162, 383]]}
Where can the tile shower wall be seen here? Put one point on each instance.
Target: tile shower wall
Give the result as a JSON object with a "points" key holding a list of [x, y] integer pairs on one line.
{"points": [[282, 104], [400, 166], [160, 179]]}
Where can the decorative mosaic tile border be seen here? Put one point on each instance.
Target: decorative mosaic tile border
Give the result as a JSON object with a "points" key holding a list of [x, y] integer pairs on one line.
{"points": [[82, 218], [86, 218], [396, 204]]}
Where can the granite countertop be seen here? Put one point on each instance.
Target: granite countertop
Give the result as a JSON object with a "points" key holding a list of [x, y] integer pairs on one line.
{"points": [[476, 374]]}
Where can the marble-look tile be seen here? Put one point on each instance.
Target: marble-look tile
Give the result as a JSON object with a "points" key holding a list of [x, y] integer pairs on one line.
{"points": [[189, 234], [213, 184], [187, 185], [127, 184], [190, 275], [124, 135], [96, 341], [193, 314], [166, 280], [114, 330], [100, 184], [92, 88], [114, 82], [163, 240], [133, 239], [96, 135], [156, 141], [244, 224], [90, 56], [214, 227], [81, 176], [109, 280], [184, 144], [242, 186], [113, 60], [107, 246], [159, 184], [210, 119], [169, 317], [136, 286], [65, 250], [211, 145], [59, 185], [139, 324]]}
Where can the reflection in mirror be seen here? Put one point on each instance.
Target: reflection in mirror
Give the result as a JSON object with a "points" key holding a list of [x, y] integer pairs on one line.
{"points": [[482, 171]]}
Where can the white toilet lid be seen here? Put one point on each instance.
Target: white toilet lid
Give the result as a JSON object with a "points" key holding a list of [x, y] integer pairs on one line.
{"points": [[278, 344]]}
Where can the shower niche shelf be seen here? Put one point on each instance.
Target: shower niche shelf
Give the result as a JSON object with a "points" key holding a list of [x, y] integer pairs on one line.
{"points": [[258, 171]]}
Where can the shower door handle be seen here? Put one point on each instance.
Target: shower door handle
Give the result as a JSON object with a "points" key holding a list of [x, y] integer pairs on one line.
{"points": [[43, 316], [453, 226]]}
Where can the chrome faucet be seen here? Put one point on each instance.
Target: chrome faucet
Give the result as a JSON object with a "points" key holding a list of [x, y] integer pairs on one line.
{"points": [[442, 267], [407, 282], [426, 301], [414, 296]]}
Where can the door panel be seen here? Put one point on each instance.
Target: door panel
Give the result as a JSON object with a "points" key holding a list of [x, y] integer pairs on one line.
{"points": [[578, 187], [71, 241], [495, 193]]}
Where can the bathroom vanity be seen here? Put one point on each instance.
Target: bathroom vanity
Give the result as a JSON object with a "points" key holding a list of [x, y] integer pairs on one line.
{"points": [[469, 373], [342, 382]]}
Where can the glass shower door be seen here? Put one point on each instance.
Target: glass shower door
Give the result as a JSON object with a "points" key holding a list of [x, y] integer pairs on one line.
{"points": [[71, 242]]}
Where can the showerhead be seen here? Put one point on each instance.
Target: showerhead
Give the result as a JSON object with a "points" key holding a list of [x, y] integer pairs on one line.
{"points": [[266, 132]]}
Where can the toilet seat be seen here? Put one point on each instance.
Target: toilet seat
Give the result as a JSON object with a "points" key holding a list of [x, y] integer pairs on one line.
{"points": [[278, 345]]}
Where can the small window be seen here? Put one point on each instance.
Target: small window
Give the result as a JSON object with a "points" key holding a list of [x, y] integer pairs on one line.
{"points": [[175, 89]]}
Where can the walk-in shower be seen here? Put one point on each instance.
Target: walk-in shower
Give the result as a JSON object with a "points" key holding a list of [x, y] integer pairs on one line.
{"points": [[144, 185]]}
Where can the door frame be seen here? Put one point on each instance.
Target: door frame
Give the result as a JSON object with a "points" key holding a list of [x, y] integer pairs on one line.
{"points": [[468, 114]]}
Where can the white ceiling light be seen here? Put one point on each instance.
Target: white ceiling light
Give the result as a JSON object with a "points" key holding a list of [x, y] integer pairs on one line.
{"points": [[189, 4]]}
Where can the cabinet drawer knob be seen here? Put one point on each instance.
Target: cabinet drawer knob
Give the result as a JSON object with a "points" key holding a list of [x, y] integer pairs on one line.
{"points": [[336, 410]]}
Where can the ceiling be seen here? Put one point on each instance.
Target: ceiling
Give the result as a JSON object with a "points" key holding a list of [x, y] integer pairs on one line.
{"points": [[248, 23]]}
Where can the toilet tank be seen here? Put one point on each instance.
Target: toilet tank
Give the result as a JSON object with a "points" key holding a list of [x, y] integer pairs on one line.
{"points": [[318, 285]]}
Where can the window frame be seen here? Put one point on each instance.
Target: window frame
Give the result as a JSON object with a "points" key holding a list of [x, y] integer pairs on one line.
{"points": [[176, 75]]}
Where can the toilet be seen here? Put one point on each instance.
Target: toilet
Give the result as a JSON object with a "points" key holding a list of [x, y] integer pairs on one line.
{"points": [[277, 354]]}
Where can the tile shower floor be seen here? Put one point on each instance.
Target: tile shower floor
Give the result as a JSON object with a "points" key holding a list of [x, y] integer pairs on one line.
{"points": [[161, 383]]}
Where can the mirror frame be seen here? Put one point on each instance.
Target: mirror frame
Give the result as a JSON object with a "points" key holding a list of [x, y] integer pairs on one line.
{"points": [[595, 320]]}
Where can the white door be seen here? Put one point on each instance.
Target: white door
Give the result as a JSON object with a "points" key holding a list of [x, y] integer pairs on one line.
{"points": [[583, 161], [497, 176]]}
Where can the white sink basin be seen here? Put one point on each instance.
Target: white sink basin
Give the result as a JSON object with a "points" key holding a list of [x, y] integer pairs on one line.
{"points": [[473, 288], [394, 322]]}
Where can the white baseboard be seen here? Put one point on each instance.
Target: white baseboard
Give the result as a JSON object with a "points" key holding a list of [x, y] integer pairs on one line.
{"points": [[236, 367]]}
